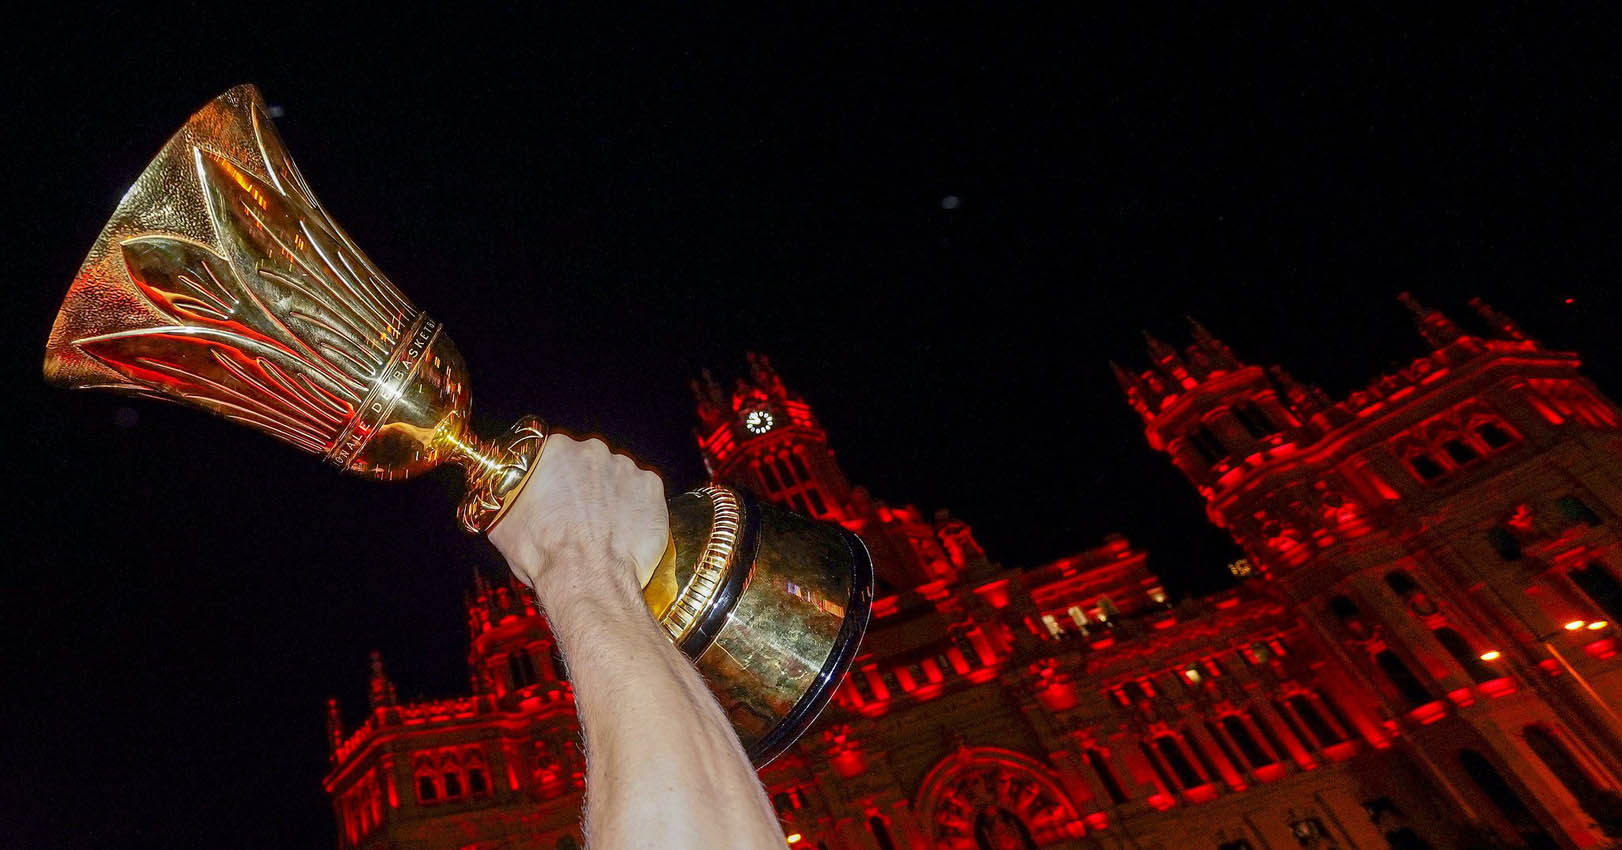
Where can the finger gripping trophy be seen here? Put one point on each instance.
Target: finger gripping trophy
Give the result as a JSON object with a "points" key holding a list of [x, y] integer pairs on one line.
{"points": [[220, 282]]}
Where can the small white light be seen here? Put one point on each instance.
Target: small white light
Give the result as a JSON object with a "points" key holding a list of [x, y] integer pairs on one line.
{"points": [[1574, 625], [1491, 655], [1597, 624]]}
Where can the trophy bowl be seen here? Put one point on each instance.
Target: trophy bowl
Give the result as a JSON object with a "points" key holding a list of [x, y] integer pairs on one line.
{"points": [[221, 283]]}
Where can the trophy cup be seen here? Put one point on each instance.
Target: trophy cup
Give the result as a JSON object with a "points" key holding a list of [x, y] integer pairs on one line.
{"points": [[221, 283]]}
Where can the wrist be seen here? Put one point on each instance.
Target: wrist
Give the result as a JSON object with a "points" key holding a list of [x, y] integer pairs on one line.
{"points": [[606, 587]]}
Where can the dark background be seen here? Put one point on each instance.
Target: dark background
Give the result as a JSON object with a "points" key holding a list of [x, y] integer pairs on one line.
{"points": [[599, 207]]}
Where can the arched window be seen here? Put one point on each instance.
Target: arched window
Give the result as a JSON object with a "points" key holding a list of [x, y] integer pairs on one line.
{"points": [[1249, 747], [785, 470], [478, 780], [1598, 584], [1400, 583], [1459, 451], [881, 833], [1468, 658], [1180, 766], [1425, 467], [1412, 690], [1320, 728], [1503, 797], [1346, 611], [522, 668], [1576, 510], [1409, 591], [1404, 838], [453, 784], [1254, 421], [818, 507], [1206, 444], [427, 790], [864, 688], [1504, 543], [1100, 765], [798, 465], [1494, 435], [768, 475], [1603, 805]]}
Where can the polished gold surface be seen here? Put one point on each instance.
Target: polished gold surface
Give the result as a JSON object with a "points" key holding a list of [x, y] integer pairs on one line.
{"points": [[710, 569], [806, 602], [220, 282]]}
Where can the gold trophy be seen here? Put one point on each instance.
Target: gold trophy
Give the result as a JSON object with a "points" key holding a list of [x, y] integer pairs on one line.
{"points": [[220, 282]]}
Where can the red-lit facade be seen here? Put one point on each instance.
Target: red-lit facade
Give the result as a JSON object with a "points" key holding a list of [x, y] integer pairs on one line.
{"points": [[1420, 651]]}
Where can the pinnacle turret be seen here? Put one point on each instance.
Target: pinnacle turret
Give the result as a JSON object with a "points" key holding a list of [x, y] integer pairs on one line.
{"points": [[1221, 356], [1436, 328], [1498, 321], [380, 689], [335, 725]]}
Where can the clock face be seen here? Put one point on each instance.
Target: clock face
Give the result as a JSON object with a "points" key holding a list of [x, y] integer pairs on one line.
{"points": [[758, 421]]}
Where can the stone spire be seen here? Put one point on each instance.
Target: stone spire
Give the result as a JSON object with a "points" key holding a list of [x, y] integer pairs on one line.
{"points": [[1304, 399], [381, 690], [1498, 321], [335, 725], [1437, 329], [1222, 357]]}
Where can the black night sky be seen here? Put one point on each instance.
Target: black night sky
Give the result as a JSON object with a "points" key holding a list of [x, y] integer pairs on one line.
{"points": [[601, 205]]}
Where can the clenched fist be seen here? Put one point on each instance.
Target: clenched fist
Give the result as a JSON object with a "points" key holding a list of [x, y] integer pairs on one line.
{"points": [[587, 522]]}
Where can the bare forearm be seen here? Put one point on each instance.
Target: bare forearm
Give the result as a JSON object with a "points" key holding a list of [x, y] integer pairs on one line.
{"points": [[664, 767]]}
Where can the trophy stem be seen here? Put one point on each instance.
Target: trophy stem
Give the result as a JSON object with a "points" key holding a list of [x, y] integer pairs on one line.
{"points": [[496, 470]]}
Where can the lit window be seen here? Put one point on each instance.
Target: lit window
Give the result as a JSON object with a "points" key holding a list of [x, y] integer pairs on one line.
{"points": [[1053, 625]]}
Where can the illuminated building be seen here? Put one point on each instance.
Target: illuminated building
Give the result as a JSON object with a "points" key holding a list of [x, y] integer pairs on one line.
{"points": [[1418, 651]]}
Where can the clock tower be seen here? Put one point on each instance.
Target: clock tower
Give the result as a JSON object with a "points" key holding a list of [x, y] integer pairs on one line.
{"points": [[763, 438], [766, 440]]}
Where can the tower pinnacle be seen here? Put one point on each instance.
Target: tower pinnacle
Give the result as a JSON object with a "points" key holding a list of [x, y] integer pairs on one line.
{"points": [[1437, 329], [381, 690], [1499, 322]]}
